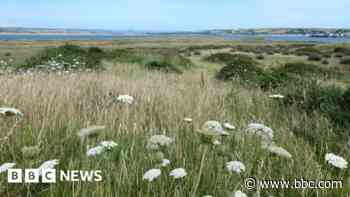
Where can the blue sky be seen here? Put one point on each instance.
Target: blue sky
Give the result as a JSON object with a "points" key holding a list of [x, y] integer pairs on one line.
{"points": [[164, 15]]}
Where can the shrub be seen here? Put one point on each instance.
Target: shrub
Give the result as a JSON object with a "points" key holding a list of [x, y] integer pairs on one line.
{"points": [[221, 58], [339, 55], [95, 50], [274, 79], [345, 60], [331, 101], [239, 66], [164, 66], [314, 57], [8, 54], [303, 69], [325, 62], [341, 50], [67, 57], [260, 57], [327, 55], [197, 53], [306, 51]]}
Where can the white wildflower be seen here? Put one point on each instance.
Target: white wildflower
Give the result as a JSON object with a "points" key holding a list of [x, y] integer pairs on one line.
{"points": [[213, 128], [207, 196], [278, 151], [90, 131], [152, 174], [239, 194], [228, 126], [6, 111], [165, 162], [108, 144], [276, 96], [156, 141], [266, 133], [95, 151], [336, 161], [189, 120], [47, 165], [4, 167], [178, 173], [235, 166], [126, 99]]}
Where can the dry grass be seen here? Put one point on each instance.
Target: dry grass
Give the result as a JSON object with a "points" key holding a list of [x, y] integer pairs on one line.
{"points": [[56, 107]]}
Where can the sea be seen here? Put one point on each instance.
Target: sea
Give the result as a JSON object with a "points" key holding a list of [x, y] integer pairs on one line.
{"points": [[235, 37]]}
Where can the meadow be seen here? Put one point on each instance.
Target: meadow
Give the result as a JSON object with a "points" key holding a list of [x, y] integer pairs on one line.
{"points": [[300, 91]]}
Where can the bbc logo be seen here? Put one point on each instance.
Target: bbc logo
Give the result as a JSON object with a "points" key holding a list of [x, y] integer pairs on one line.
{"points": [[31, 176]]}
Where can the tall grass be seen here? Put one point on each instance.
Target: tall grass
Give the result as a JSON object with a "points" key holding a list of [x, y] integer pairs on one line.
{"points": [[56, 107]]}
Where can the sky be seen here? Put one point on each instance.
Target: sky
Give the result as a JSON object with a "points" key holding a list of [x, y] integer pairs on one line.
{"points": [[174, 15]]}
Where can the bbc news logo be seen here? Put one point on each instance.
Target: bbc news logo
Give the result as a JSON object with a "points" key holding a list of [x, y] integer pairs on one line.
{"points": [[52, 175]]}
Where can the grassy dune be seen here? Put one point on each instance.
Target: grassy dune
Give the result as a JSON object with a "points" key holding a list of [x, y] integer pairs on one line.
{"points": [[56, 107]]}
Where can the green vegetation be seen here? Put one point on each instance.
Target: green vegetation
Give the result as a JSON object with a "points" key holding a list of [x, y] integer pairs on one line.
{"points": [[237, 66], [72, 57], [345, 60], [310, 116], [67, 57]]}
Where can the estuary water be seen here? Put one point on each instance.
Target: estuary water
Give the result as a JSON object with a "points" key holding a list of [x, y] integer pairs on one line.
{"points": [[266, 38]]}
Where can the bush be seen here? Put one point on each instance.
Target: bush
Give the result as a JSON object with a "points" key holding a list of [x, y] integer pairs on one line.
{"points": [[325, 62], [345, 60], [67, 57], [303, 69], [7, 54], [164, 66], [314, 57], [197, 53], [239, 66], [341, 50], [327, 55], [332, 102], [260, 57], [221, 57], [274, 79], [307, 51], [339, 55], [95, 50]]}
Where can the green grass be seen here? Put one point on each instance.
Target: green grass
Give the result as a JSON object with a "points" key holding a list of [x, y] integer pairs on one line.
{"points": [[310, 122]]}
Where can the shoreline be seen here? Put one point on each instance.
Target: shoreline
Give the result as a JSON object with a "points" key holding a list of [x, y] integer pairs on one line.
{"points": [[53, 34]]}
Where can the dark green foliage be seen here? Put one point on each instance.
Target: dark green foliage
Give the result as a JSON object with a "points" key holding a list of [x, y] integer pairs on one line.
{"points": [[331, 101], [197, 53], [169, 61], [342, 50], [230, 58], [163, 66], [325, 62], [345, 60], [307, 51], [327, 55], [95, 50], [7, 54], [67, 54], [274, 79], [339, 55], [314, 57], [260, 57], [303, 69], [237, 66]]}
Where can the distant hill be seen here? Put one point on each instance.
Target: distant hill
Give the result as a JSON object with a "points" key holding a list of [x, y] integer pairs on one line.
{"points": [[302, 31]]}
